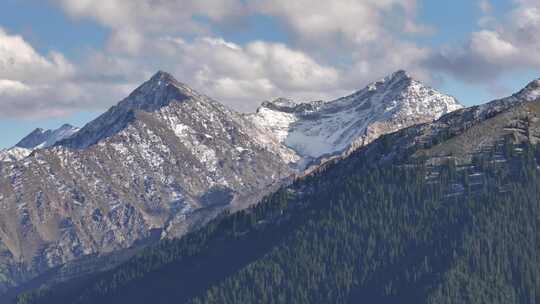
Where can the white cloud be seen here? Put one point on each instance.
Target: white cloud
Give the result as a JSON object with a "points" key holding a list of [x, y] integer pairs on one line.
{"points": [[131, 21], [491, 46], [510, 44], [31, 84], [12, 87], [364, 32], [19, 61], [344, 21], [243, 76], [335, 47], [37, 86]]}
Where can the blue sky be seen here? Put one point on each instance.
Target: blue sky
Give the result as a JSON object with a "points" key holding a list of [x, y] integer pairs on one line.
{"points": [[67, 61]]}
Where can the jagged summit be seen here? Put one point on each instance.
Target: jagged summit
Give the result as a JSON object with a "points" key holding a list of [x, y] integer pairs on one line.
{"points": [[41, 138], [37, 139], [399, 75], [67, 126], [33, 139], [531, 92], [321, 128], [159, 91], [163, 76], [399, 78], [163, 79], [164, 159]]}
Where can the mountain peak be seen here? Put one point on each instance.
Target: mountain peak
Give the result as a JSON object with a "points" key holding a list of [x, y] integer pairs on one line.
{"points": [[162, 79], [33, 139], [67, 126], [163, 76], [396, 81], [398, 77], [531, 92], [323, 128], [159, 91], [41, 138], [400, 74]]}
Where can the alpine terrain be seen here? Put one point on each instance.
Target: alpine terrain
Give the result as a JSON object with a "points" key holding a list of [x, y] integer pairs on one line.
{"points": [[38, 139], [441, 212], [319, 129], [166, 160]]}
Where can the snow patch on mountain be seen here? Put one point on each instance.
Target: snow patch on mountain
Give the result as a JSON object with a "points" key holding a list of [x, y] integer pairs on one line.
{"points": [[528, 94], [40, 138], [37, 139], [532, 91], [14, 154], [321, 128]]}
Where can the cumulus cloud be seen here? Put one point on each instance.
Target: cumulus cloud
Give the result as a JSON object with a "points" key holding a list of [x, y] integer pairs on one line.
{"points": [[335, 48], [12, 87], [37, 86], [131, 21], [32, 85], [499, 47], [349, 26], [27, 79], [345, 21], [19, 61], [243, 75]]}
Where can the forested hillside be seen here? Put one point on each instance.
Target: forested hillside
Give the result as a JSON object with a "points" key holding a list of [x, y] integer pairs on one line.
{"points": [[365, 229]]}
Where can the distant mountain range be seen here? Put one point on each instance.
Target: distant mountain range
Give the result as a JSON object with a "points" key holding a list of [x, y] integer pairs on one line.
{"points": [[445, 211], [166, 160], [38, 139]]}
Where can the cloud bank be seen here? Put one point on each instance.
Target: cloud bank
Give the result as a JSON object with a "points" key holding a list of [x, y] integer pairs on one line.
{"points": [[333, 48]]}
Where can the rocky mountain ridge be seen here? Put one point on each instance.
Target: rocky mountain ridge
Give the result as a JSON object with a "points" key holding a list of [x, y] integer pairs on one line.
{"points": [[166, 159], [464, 188], [37, 139], [319, 129]]}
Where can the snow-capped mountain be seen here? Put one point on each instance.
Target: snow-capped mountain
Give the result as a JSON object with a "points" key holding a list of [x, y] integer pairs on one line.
{"points": [[482, 149], [37, 139], [40, 138], [167, 159], [164, 160], [319, 128]]}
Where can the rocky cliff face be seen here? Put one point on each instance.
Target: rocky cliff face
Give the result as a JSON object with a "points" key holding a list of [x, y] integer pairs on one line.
{"points": [[166, 159]]}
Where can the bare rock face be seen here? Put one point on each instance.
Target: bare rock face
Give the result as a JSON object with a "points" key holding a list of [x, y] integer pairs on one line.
{"points": [[167, 159], [149, 163]]}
